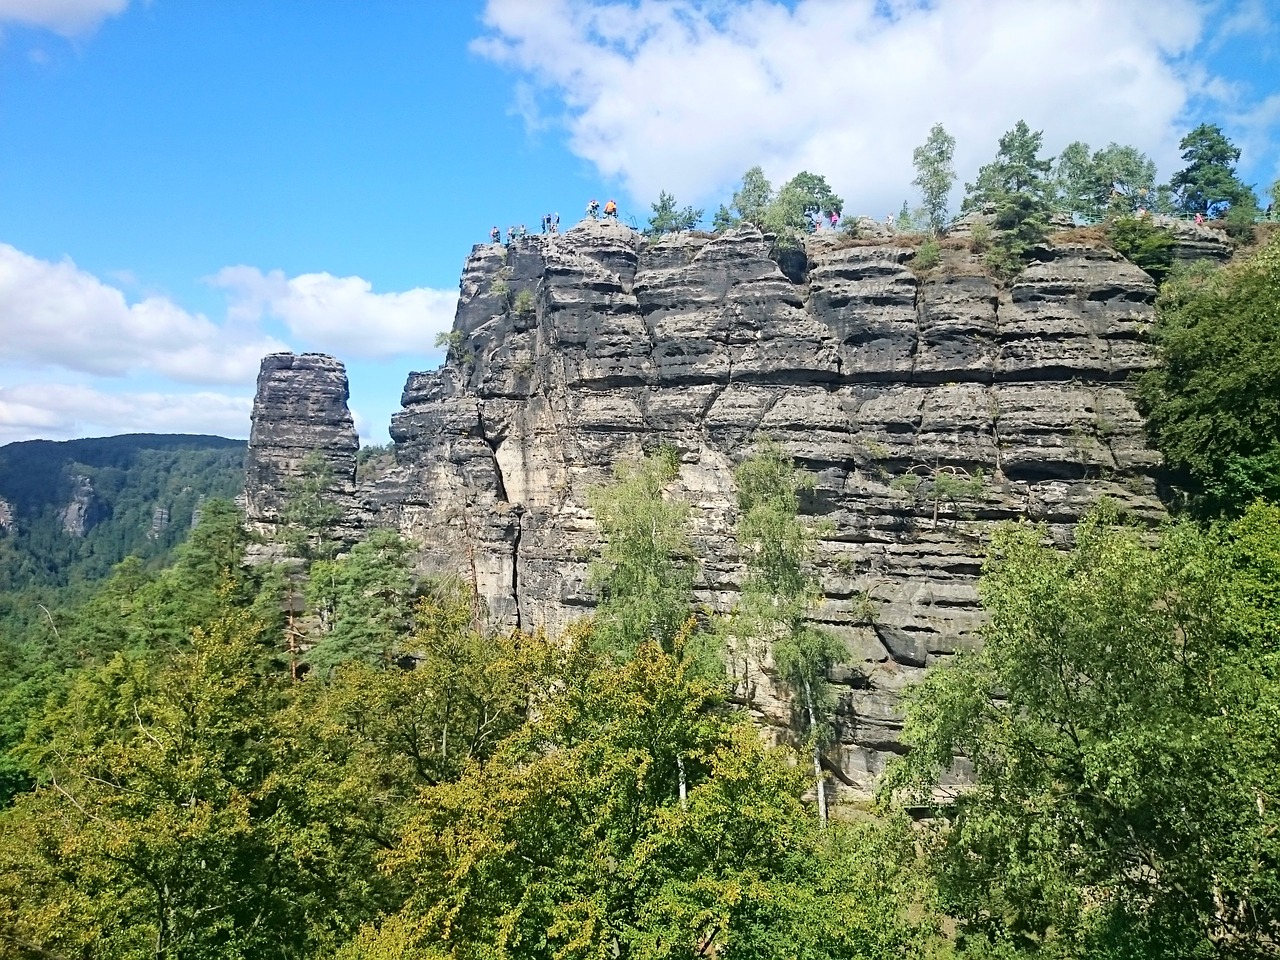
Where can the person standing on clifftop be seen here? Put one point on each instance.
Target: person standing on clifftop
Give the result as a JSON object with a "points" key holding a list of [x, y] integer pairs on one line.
{"points": [[495, 235], [611, 210], [555, 223], [593, 209]]}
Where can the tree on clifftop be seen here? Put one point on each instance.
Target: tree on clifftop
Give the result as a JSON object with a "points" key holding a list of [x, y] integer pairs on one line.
{"points": [[800, 202], [1114, 180], [1017, 170], [1208, 184], [749, 203], [935, 174], [1017, 184], [667, 219]]}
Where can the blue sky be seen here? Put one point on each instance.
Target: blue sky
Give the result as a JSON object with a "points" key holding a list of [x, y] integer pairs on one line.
{"points": [[186, 185]]}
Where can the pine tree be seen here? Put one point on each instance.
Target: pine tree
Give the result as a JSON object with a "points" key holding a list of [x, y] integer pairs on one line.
{"points": [[1016, 183], [668, 219], [1208, 184]]}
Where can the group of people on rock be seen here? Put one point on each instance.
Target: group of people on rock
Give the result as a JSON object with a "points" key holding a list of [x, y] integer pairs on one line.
{"points": [[551, 222], [818, 221], [513, 233], [610, 210]]}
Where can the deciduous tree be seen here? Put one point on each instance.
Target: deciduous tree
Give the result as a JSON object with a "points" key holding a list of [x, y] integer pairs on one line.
{"points": [[779, 591], [1114, 722], [1213, 402], [644, 576], [935, 174]]}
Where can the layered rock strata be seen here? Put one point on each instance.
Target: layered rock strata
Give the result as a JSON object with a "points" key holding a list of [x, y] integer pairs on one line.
{"points": [[299, 413], [928, 405]]}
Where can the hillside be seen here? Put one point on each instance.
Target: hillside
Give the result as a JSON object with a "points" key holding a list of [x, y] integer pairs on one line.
{"points": [[70, 510]]}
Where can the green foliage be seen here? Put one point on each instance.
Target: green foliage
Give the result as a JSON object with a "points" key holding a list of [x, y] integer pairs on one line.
{"points": [[935, 174], [778, 591], [374, 459], [644, 576], [377, 736], [169, 821], [667, 219], [1116, 180], [939, 484], [450, 339], [749, 203], [1116, 721], [1213, 402], [145, 493], [906, 222], [798, 205], [980, 237], [1016, 170], [1240, 220], [1208, 184], [928, 255], [1017, 184], [364, 600], [44, 641], [788, 214], [1022, 221], [1143, 243], [310, 514], [524, 303], [574, 841]]}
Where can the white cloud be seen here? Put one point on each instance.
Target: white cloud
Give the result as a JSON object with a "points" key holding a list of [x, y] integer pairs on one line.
{"points": [[67, 17], [1246, 18], [66, 411], [56, 315], [340, 315], [684, 95]]}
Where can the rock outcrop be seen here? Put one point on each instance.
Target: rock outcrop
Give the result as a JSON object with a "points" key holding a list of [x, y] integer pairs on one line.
{"points": [[300, 412], [83, 511], [928, 405], [1195, 241]]}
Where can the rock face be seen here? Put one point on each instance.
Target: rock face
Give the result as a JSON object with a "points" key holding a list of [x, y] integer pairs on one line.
{"points": [[6, 516], [928, 407], [1195, 241], [300, 410], [83, 511]]}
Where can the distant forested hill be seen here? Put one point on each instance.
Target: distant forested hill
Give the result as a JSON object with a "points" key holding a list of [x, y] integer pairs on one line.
{"points": [[73, 509]]}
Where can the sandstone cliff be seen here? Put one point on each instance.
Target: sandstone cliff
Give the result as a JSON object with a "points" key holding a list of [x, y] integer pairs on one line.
{"points": [[928, 405], [300, 408]]}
